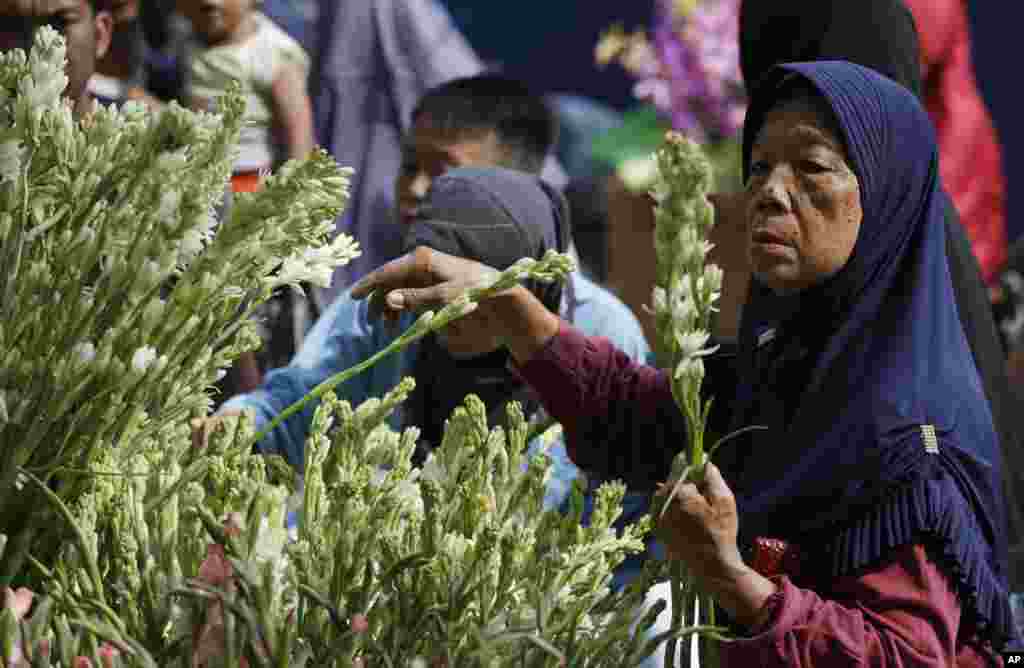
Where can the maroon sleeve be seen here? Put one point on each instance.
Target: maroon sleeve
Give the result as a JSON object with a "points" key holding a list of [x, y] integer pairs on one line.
{"points": [[618, 416], [903, 614]]}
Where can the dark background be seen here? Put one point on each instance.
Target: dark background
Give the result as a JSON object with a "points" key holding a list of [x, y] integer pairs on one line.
{"points": [[550, 43], [995, 34]]}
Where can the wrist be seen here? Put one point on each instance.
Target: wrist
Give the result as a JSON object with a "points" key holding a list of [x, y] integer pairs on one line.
{"points": [[525, 323], [743, 593]]}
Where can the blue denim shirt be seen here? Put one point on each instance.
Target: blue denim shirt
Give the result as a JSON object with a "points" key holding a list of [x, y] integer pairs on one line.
{"points": [[345, 336]]}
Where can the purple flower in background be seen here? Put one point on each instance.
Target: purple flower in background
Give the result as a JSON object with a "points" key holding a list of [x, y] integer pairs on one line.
{"points": [[689, 69]]}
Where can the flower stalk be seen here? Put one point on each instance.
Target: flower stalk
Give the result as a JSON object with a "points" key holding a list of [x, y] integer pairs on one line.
{"points": [[684, 297]]}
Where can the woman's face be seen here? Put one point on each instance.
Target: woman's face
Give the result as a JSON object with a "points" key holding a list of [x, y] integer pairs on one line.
{"points": [[803, 199]]}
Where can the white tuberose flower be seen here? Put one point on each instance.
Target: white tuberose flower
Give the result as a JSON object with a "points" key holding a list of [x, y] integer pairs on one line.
{"points": [[85, 351], [143, 357], [691, 343], [11, 154]]}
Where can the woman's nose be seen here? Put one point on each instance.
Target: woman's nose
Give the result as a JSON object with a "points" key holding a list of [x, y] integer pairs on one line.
{"points": [[773, 192]]}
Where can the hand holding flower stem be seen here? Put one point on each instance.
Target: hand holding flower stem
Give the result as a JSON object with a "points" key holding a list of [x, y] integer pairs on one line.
{"points": [[457, 286]]}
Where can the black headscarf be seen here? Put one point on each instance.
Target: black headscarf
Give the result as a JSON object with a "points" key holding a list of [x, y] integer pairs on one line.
{"points": [[881, 35], [494, 216], [878, 34]]}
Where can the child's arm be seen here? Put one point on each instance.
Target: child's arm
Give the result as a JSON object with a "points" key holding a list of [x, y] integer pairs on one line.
{"points": [[293, 111]]}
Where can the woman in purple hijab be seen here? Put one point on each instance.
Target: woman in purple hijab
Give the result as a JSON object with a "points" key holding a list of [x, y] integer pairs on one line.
{"points": [[866, 525]]}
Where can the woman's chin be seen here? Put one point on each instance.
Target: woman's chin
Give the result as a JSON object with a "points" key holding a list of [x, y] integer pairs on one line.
{"points": [[780, 279]]}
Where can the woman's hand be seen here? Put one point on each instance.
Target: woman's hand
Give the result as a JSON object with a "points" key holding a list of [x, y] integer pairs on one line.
{"points": [[701, 525], [428, 279], [421, 280], [700, 528]]}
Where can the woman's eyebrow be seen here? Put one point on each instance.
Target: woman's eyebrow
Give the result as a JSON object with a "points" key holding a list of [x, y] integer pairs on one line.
{"points": [[815, 136]]}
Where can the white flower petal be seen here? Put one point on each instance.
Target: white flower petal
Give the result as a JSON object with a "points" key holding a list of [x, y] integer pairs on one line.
{"points": [[143, 357], [85, 351]]}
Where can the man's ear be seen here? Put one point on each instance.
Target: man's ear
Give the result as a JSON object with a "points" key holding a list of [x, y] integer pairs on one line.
{"points": [[103, 24]]}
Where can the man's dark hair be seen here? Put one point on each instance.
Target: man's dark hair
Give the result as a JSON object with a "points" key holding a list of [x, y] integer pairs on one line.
{"points": [[526, 128]]}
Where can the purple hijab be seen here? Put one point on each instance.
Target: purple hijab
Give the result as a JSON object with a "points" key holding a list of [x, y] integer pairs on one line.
{"points": [[891, 438]]}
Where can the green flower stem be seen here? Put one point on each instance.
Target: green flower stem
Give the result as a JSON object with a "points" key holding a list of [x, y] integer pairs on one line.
{"points": [[680, 597], [337, 379], [83, 547]]}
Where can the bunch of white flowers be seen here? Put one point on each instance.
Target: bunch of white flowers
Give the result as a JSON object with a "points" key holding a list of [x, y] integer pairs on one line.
{"points": [[457, 564], [122, 296]]}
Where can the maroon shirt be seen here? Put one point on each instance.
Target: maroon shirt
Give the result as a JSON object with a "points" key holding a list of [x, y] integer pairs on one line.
{"points": [[901, 613]]}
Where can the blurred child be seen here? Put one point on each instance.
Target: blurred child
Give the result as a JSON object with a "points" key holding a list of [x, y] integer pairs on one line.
{"points": [[236, 41]]}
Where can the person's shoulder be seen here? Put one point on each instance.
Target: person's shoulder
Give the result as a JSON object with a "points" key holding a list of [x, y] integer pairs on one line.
{"points": [[272, 37], [346, 312], [592, 296]]}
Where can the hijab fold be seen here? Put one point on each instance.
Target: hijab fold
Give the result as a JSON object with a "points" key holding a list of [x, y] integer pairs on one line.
{"points": [[892, 439]]}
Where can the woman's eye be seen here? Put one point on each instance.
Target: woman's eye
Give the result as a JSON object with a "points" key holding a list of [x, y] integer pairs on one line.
{"points": [[814, 166]]}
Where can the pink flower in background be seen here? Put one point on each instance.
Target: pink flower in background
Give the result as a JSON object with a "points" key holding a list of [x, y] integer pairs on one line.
{"points": [[19, 603], [359, 624], [699, 51], [82, 662], [689, 67], [216, 569], [108, 655]]}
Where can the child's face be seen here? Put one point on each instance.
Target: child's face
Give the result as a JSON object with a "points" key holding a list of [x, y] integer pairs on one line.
{"points": [[215, 21], [429, 152]]}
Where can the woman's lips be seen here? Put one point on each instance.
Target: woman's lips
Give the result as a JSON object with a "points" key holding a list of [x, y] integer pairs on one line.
{"points": [[768, 237], [765, 242]]}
